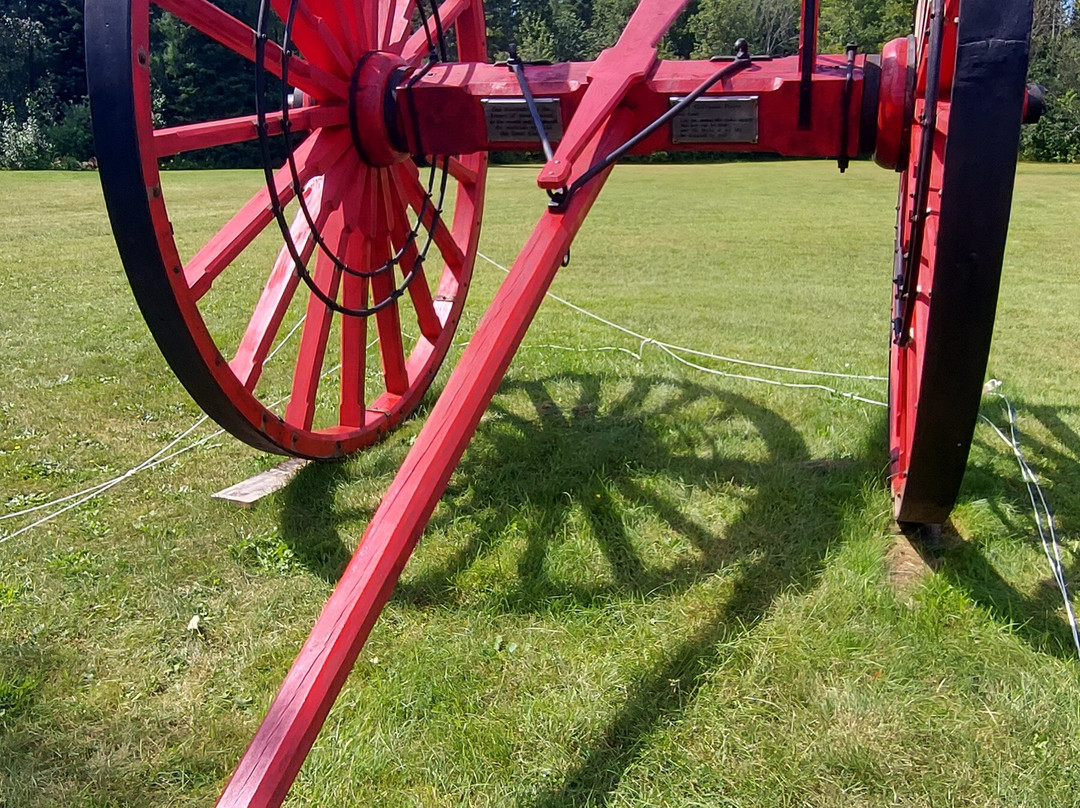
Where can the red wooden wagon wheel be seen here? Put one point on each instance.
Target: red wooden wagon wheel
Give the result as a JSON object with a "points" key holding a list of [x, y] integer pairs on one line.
{"points": [[364, 217], [967, 68]]}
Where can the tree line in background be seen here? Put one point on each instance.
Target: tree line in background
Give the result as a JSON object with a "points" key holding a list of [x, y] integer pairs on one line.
{"points": [[45, 115]]}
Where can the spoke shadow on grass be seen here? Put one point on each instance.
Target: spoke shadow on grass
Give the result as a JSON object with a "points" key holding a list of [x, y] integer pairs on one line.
{"points": [[1060, 464], [599, 461], [546, 468], [607, 458]]}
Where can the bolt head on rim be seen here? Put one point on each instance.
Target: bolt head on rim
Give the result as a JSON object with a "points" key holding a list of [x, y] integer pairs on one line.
{"points": [[373, 108]]}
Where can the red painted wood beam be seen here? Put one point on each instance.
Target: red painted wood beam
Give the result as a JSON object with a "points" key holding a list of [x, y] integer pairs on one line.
{"points": [[615, 71], [448, 104], [294, 719]]}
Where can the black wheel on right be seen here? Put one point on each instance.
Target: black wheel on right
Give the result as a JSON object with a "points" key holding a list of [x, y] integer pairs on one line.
{"points": [[953, 218]]}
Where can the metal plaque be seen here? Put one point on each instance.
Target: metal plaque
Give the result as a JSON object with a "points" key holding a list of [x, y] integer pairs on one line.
{"points": [[509, 121], [727, 119]]}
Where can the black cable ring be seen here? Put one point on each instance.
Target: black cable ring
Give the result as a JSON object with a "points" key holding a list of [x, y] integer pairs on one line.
{"points": [[316, 235], [275, 200]]}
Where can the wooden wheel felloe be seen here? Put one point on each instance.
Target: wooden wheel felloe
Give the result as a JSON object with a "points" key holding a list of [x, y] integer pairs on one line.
{"points": [[970, 62], [362, 226]]}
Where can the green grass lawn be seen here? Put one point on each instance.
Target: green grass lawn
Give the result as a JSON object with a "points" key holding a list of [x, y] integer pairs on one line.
{"points": [[646, 586]]}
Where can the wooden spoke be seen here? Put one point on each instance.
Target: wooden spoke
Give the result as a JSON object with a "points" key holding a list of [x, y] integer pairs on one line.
{"points": [[343, 181], [210, 20], [343, 14], [382, 19], [266, 320], [400, 24], [316, 330], [206, 135], [388, 323], [409, 185], [426, 317], [359, 206], [312, 158], [460, 172], [388, 319], [416, 46], [320, 41], [354, 295], [356, 22], [371, 23], [328, 35]]}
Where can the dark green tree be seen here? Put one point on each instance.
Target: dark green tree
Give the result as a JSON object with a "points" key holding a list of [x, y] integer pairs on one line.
{"points": [[770, 26], [866, 23], [26, 91], [1055, 64], [62, 21], [554, 31], [24, 58], [508, 21]]}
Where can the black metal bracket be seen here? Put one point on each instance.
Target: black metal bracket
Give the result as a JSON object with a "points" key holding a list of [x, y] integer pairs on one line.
{"points": [[908, 285], [807, 58], [843, 161]]}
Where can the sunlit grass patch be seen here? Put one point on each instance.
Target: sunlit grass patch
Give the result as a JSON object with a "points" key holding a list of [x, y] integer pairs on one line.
{"points": [[645, 586]]}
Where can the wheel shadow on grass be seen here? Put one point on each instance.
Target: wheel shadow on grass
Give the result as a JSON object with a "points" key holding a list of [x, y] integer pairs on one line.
{"points": [[309, 519], [599, 462], [1035, 617], [530, 474], [1060, 464]]}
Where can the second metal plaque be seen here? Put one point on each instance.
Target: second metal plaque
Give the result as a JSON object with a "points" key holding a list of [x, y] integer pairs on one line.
{"points": [[725, 119], [508, 120]]}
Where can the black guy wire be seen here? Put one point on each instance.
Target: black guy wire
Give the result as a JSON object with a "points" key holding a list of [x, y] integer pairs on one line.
{"points": [[742, 61]]}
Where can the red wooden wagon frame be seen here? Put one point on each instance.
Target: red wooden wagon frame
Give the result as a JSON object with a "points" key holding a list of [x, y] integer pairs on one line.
{"points": [[375, 119]]}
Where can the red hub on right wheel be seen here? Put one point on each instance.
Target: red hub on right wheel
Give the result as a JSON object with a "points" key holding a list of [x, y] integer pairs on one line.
{"points": [[895, 103]]}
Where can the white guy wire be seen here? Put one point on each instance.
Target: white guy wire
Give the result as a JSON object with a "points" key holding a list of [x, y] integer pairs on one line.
{"points": [[163, 455], [109, 483], [92, 493], [680, 349], [712, 371], [1044, 515], [674, 350]]}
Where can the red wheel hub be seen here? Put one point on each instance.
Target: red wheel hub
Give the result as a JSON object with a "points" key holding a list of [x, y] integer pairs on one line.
{"points": [[372, 120], [896, 104]]}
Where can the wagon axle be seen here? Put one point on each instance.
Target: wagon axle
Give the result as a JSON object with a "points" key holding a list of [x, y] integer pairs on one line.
{"points": [[387, 187]]}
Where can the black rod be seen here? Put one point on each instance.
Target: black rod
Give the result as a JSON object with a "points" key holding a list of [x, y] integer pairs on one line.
{"points": [[909, 286], [807, 59], [518, 67]]}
